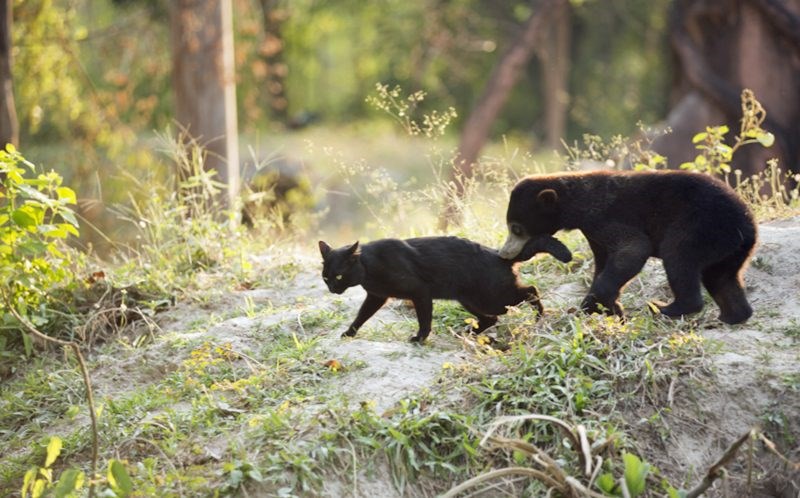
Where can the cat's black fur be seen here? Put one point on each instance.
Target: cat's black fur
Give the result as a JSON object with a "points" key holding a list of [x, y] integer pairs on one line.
{"points": [[427, 268]]}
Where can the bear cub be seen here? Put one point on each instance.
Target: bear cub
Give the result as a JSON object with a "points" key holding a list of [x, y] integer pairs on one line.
{"points": [[697, 225], [427, 268]]}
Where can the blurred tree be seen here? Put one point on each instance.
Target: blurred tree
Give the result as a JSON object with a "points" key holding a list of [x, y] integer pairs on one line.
{"points": [[204, 85], [553, 52], [497, 89], [274, 15], [721, 47], [9, 128]]}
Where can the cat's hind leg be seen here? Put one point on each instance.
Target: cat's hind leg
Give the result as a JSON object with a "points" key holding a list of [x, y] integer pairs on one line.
{"points": [[530, 294], [424, 308], [484, 321]]}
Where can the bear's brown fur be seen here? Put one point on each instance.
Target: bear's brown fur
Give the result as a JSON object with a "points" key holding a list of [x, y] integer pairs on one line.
{"points": [[696, 224]]}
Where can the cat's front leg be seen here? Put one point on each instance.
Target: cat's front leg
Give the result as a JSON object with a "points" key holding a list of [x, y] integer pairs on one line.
{"points": [[368, 308], [424, 308]]}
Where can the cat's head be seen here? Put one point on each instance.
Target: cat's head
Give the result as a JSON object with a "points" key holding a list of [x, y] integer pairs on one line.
{"points": [[341, 268]]}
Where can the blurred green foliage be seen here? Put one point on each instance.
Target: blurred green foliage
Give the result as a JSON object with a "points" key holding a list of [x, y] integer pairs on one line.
{"points": [[83, 68], [93, 78]]}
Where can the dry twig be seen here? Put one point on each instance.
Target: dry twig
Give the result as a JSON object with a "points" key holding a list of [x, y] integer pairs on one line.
{"points": [[84, 370]]}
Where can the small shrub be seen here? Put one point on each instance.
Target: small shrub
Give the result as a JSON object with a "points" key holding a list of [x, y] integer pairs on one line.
{"points": [[35, 218]]}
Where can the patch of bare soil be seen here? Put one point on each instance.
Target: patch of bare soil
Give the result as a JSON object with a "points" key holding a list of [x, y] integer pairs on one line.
{"points": [[754, 382]]}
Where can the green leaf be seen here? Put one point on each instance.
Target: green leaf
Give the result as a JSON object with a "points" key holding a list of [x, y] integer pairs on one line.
{"points": [[766, 139], [674, 493], [635, 473], [69, 217], [722, 129], [67, 195], [399, 436], [38, 488], [53, 450], [69, 228], [27, 343], [606, 483], [699, 137], [23, 218], [70, 480], [10, 148], [119, 478], [27, 482]]}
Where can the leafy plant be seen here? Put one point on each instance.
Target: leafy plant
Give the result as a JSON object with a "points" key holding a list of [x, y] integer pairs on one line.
{"points": [[38, 480], [402, 109], [35, 216], [181, 226], [632, 483], [715, 155]]}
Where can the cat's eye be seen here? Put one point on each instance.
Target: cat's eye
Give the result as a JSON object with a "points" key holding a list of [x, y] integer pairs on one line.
{"points": [[338, 277]]}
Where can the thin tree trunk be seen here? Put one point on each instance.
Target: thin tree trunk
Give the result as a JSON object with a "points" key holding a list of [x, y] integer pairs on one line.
{"points": [[272, 53], [555, 69], [204, 83], [503, 78], [9, 126]]}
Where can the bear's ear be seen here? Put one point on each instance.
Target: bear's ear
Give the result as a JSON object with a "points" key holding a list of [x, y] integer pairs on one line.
{"points": [[353, 250], [547, 197], [324, 249]]}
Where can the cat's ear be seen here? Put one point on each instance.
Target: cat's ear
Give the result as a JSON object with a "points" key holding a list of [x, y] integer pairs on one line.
{"points": [[353, 250], [324, 249]]}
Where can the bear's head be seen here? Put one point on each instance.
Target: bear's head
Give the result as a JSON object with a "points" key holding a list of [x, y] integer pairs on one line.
{"points": [[533, 209]]}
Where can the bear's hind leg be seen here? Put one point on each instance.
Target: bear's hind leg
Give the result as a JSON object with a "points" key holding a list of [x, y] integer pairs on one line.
{"points": [[684, 280], [723, 282]]}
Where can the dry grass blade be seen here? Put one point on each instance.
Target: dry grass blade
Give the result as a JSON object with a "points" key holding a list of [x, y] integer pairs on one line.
{"points": [[586, 450], [771, 447], [551, 474], [495, 474], [521, 418]]}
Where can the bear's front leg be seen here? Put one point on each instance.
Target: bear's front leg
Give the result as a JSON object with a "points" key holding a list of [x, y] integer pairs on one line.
{"points": [[591, 304], [368, 308], [624, 261]]}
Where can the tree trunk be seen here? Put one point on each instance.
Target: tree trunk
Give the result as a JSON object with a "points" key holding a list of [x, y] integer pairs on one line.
{"points": [[720, 48], [554, 57], [9, 127], [501, 81], [272, 53], [204, 83]]}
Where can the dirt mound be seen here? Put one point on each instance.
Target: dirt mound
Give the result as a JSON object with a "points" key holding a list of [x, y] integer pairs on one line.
{"points": [[754, 381]]}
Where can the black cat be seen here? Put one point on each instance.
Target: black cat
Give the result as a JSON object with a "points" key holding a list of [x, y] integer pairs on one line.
{"points": [[427, 268]]}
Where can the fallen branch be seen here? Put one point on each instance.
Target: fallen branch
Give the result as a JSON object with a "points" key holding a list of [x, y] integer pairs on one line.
{"points": [[84, 371], [716, 470]]}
